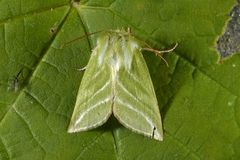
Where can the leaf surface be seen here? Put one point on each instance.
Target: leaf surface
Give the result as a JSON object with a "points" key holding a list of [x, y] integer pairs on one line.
{"points": [[198, 97]]}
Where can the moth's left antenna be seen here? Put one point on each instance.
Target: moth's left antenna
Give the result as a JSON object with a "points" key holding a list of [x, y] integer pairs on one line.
{"points": [[76, 39]]}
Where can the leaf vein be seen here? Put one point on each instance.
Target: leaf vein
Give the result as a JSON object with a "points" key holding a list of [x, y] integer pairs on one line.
{"points": [[183, 145], [40, 59], [36, 99], [90, 144], [30, 13], [30, 131], [8, 154]]}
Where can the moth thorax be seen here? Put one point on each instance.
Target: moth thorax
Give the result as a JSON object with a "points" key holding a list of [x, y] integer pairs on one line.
{"points": [[115, 62]]}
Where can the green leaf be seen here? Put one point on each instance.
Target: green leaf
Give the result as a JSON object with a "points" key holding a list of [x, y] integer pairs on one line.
{"points": [[198, 97]]}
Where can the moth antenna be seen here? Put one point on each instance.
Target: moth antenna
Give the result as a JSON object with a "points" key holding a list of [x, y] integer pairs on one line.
{"points": [[76, 39], [87, 34]]}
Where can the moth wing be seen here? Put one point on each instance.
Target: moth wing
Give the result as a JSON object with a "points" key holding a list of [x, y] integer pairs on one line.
{"points": [[94, 100], [135, 103]]}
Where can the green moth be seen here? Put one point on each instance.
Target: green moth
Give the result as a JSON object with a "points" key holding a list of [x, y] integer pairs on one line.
{"points": [[117, 81]]}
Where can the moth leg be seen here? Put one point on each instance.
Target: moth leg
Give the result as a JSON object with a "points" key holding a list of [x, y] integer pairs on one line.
{"points": [[159, 53], [82, 69]]}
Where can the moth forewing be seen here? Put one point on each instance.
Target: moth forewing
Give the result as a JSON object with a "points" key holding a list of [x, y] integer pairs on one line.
{"points": [[94, 99], [135, 104], [117, 80]]}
